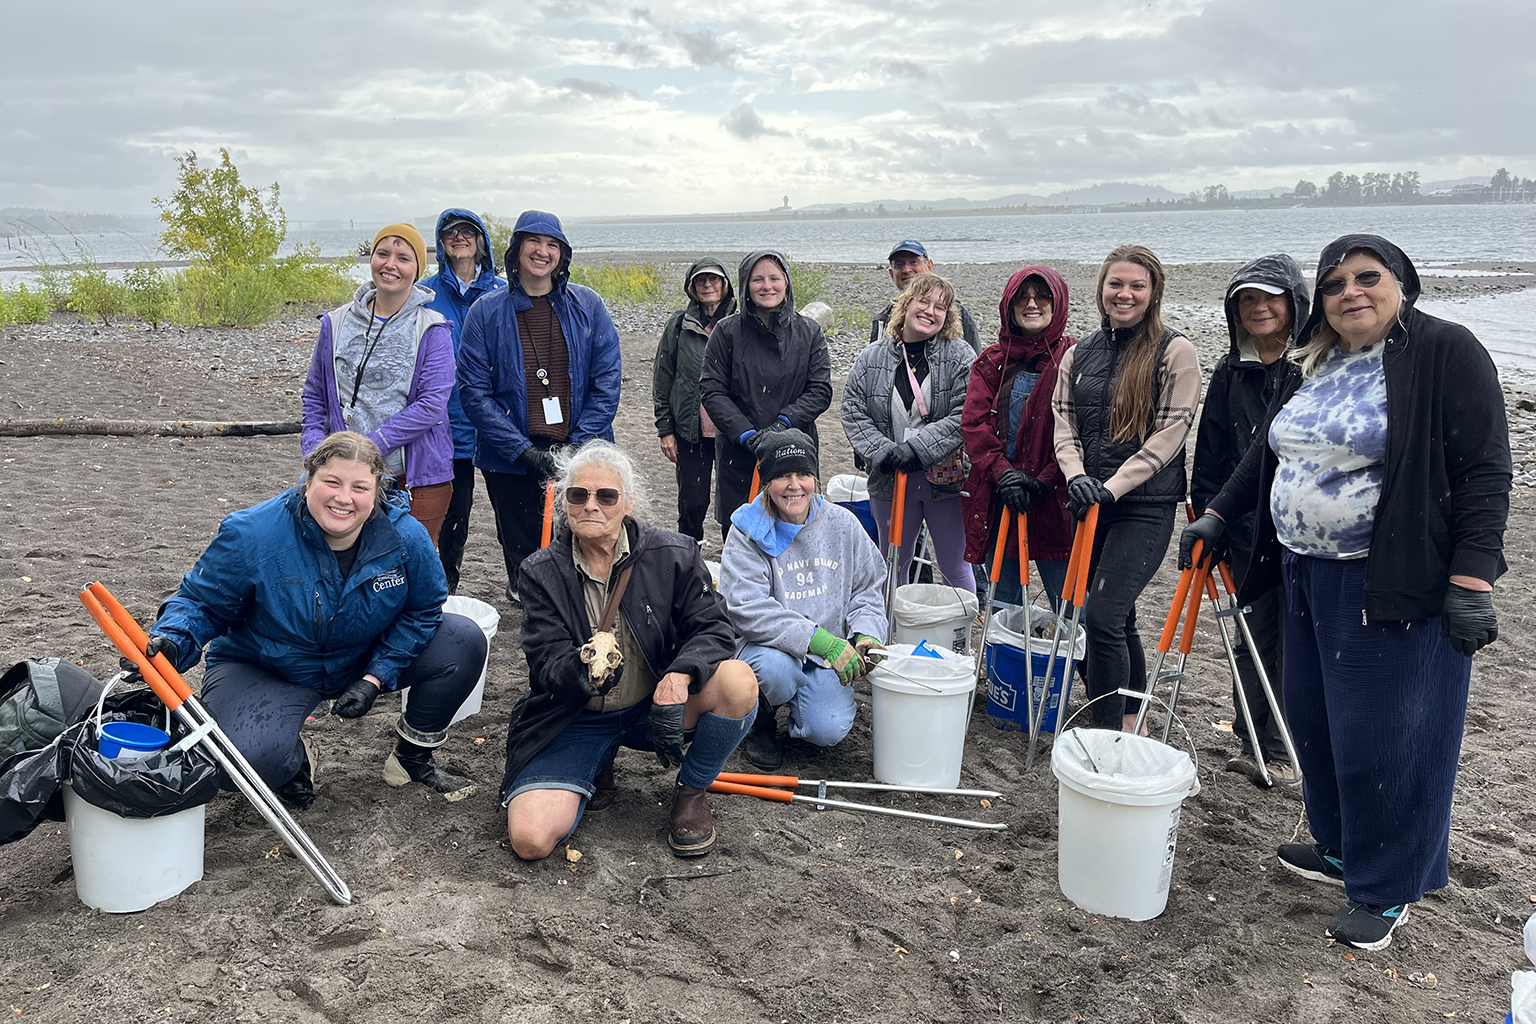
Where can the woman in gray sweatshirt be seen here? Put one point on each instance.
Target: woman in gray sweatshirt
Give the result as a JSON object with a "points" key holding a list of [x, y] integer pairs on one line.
{"points": [[805, 589]]}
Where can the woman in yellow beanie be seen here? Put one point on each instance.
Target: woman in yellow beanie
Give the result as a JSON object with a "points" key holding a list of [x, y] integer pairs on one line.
{"points": [[383, 366]]}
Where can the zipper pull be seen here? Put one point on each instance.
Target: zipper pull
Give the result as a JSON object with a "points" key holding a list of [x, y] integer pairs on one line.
{"points": [[1362, 618]]}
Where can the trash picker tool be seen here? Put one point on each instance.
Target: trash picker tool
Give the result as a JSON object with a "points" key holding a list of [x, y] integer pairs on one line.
{"points": [[549, 514], [794, 781], [994, 575], [1186, 595], [893, 551], [757, 482], [1074, 593], [167, 684], [784, 796]]}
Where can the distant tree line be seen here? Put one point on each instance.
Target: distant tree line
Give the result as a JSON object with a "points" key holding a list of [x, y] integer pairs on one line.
{"points": [[1376, 188]]}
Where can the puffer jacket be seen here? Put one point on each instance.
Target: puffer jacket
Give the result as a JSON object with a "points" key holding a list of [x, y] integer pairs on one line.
{"points": [[757, 368], [1050, 525], [866, 407], [421, 428], [269, 592], [492, 381], [452, 298], [671, 609], [680, 356]]}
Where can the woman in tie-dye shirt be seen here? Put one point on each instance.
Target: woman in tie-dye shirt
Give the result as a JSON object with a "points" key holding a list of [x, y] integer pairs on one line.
{"points": [[1381, 483]]}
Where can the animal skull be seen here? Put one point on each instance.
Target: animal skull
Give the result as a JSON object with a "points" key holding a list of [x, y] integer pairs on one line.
{"points": [[601, 655]]}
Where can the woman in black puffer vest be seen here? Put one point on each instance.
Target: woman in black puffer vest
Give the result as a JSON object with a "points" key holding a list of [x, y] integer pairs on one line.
{"points": [[1124, 402]]}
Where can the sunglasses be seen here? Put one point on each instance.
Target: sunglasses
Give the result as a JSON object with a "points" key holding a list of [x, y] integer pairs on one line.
{"points": [[460, 231], [1024, 298], [577, 497], [1335, 285]]}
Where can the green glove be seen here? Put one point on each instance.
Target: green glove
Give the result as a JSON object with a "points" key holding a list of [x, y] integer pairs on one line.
{"points": [[838, 653], [866, 645]]}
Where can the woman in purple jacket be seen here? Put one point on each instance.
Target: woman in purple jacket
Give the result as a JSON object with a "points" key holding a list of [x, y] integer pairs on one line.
{"points": [[383, 366]]}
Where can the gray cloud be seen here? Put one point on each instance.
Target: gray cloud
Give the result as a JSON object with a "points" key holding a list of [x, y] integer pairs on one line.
{"points": [[744, 123]]}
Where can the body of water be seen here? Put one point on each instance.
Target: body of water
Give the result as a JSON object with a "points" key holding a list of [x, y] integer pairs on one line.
{"points": [[1426, 233]]}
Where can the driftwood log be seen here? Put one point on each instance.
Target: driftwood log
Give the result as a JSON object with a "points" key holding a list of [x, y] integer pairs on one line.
{"points": [[169, 428]]}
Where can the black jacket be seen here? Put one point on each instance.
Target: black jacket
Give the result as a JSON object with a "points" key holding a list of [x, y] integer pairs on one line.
{"points": [[680, 356], [758, 366], [671, 608], [1445, 487], [1095, 368], [1242, 388]]}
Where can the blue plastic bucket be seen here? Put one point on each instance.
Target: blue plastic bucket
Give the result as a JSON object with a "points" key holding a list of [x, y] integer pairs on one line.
{"points": [[861, 510], [1006, 705], [127, 740]]}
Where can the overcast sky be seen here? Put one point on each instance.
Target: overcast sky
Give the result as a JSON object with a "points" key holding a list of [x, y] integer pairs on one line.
{"points": [[397, 109]]}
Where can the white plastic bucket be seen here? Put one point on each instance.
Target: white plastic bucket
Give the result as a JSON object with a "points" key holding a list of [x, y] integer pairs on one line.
{"points": [[1118, 826], [934, 612], [128, 864], [922, 707], [488, 619]]}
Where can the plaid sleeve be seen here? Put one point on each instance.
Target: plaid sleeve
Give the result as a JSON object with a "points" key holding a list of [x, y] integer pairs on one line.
{"points": [[1171, 420], [1069, 450]]}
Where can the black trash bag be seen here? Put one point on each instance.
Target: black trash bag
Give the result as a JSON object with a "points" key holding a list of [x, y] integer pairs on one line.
{"points": [[161, 783], [30, 791]]}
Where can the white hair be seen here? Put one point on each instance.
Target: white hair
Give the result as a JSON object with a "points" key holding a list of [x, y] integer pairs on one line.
{"points": [[573, 459]]}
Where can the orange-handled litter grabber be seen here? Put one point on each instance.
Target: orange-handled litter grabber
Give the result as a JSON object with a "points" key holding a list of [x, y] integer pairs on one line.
{"points": [[757, 482], [1074, 593], [1234, 611], [993, 575], [786, 797], [1186, 597], [161, 676], [548, 531], [793, 781], [893, 551]]}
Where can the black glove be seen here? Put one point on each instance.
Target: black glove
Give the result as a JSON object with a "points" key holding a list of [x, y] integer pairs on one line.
{"points": [[1085, 492], [907, 458], [1467, 619], [356, 700], [156, 645], [540, 461], [1208, 529], [760, 441], [888, 461], [664, 729], [1017, 487]]}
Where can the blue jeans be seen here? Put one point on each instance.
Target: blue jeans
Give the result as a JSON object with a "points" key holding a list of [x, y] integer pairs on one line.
{"points": [[821, 708], [1377, 711]]}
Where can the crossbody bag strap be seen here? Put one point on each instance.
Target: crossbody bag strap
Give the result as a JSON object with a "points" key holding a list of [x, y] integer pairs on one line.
{"points": [[611, 609]]}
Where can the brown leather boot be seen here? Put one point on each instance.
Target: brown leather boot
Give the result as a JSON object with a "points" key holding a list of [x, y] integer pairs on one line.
{"points": [[604, 789], [692, 830]]}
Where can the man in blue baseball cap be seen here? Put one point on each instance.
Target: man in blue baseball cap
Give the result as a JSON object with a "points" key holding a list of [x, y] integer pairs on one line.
{"points": [[908, 259]]}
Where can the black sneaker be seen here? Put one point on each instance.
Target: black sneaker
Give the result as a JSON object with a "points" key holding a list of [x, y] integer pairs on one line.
{"points": [[761, 745], [1365, 926], [1309, 861]]}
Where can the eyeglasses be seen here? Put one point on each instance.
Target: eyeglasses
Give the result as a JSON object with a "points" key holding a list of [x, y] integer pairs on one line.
{"points": [[1335, 285], [606, 496], [460, 231], [1024, 298]]}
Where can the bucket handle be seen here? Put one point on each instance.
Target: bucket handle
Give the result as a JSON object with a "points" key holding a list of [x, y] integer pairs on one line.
{"points": [[1194, 755], [101, 702]]}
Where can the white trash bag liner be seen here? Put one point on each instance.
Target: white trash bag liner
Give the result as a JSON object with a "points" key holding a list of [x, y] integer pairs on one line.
{"points": [[1132, 769], [846, 487], [1003, 628], [1522, 1000]]}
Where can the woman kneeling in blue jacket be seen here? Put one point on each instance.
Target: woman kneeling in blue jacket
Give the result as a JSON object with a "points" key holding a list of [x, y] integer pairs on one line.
{"points": [[325, 592]]}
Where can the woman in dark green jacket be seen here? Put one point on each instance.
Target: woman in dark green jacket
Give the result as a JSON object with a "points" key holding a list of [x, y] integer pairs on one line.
{"points": [[687, 435]]}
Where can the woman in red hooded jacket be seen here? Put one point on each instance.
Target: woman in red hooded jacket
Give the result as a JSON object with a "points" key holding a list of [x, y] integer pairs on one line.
{"points": [[1009, 429]]}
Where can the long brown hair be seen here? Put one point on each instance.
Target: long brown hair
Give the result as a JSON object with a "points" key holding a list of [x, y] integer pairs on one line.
{"points": [[1130, 406]]}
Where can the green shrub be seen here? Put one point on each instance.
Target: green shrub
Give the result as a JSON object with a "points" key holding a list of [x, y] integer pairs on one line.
{"points": [[26, 306], [232, 297], [810, 283], [632, 282], [93, 295], [302, 277], [151, 295], [500, 233], [213, 218], [54, 283]]}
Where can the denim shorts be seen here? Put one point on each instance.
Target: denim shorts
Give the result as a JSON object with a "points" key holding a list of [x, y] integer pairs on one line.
{"points": [[572, 759]]}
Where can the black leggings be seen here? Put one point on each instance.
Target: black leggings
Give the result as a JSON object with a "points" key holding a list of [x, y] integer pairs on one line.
{"points": [[262, 713], [1128, 546], [455, 532]]}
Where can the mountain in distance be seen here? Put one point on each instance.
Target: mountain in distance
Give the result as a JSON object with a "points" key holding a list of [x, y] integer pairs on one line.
{"points": [[1094, 195]]}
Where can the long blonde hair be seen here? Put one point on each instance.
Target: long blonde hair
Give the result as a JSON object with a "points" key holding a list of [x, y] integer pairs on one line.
{"points": [[1319, 345], [1130, 406], [921, 285]]}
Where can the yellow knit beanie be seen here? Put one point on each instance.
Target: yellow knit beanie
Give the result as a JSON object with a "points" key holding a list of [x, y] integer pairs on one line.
{"points": [[412, 237]]}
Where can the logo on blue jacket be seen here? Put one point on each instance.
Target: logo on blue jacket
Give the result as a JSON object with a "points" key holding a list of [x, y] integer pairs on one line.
{"points": [[384, 581]]}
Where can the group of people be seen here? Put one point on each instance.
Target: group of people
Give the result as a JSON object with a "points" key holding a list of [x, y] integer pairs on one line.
{"points": [[1352, 462]]}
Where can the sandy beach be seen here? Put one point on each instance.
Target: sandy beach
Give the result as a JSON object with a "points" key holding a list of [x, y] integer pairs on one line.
{"points": [[796, 916]]}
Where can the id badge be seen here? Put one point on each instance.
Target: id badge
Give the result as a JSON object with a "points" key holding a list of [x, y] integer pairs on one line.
{"points": [[910, 433], [552, 412]]}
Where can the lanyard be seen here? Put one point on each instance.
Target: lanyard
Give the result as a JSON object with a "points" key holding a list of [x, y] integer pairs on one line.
{"points": [[917, 389], [538, 357]]}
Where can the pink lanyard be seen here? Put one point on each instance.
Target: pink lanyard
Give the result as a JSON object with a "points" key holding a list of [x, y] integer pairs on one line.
{"points": [[917, 389]]}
